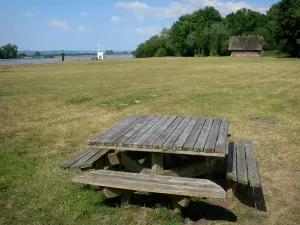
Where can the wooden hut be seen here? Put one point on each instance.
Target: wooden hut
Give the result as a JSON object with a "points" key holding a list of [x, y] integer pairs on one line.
{"points": [[246, 45]]}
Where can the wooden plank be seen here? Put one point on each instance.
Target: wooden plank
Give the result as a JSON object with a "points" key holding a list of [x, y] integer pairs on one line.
{"points": [[253, 173], [163, 138], [140, 132], [133, 166], [139, 142], [150, 141], [179, 152], [86, 157], [133, 131], [176, 133], [213, 135], [201, 141], [94, 158], [241, 163], [193, 170], [157, 161], [185, 134], [113, 158], [179, 200], [112, 130], [70, 162], [190, 142], [110, 140], [223, 136], [152, 183], [112, 192], [231, 163]]}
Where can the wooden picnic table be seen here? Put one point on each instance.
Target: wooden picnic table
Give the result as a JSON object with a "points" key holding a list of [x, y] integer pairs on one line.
{"points": [[164, 134], [167, 154]]}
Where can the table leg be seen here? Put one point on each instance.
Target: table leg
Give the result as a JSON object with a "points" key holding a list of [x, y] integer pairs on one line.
{"points": [[230, 189], [126, 197], [157, 160]]}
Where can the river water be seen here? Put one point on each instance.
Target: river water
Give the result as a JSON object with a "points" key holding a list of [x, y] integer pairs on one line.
{"points": [[58, 59]]}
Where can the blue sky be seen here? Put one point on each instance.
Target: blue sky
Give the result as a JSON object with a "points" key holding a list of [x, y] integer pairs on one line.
{"points": [[117, 24]]}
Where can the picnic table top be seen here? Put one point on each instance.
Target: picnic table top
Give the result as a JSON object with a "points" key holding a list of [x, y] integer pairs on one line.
{"points": [[168, 134]]}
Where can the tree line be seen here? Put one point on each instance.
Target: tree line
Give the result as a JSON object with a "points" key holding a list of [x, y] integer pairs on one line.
{"points": [[206, 33], [8, 51]]}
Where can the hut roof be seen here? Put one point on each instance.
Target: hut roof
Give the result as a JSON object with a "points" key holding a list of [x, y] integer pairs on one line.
{"points": [[243, 43]]}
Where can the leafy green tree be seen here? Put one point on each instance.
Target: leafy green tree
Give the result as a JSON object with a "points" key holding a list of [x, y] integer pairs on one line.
{"points": [[8, 51], [151, 46], [245, 21], [110, 51], [218, 35], [37, 54], [21, 55], [286, 25], [187, 35], [161, 52]]}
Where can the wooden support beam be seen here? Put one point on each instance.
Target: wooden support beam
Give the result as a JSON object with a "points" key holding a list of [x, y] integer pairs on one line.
{"points": [[157, 160], [114, 158], [126, 197], [193, 170], [112, 192], [133, 166], [182, 201]]}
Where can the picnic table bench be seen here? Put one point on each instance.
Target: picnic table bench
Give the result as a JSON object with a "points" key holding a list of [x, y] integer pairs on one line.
{"points": [[165, 154]]}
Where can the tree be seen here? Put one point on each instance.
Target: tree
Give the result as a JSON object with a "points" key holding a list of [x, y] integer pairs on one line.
{"points": [[150, 47], [161, 52], [22, 55], [37, 54], [109, 51], [186, 34], [245, 21], [286, 26], [8, 51]]}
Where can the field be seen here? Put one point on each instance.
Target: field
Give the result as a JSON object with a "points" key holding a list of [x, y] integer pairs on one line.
{"points": [[48, 111]]}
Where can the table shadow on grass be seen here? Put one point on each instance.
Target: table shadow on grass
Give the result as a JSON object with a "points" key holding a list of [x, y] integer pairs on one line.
{"points": [[196, 210]]}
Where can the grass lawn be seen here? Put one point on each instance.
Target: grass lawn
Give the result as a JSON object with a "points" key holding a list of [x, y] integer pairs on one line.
{"points": [[48, 111]]}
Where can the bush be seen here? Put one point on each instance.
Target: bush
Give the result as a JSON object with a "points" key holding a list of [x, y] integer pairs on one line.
{"points": [[161, 52]]}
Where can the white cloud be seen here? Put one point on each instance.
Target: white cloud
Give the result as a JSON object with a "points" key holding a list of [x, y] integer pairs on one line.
{"points": [[175, 9], [83, 14], [81, 28], [119, 19], [115, 19], [28, 14], [147, 30], [60, 24], [65, 26]]}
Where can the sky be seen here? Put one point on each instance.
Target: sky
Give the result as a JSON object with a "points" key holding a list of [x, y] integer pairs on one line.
{"points": [[116, 24]]}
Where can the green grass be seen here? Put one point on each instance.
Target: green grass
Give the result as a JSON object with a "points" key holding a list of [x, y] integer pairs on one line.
{"points": [[49, 110]]}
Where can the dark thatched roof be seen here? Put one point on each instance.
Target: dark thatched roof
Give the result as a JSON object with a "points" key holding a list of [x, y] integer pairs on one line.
{"points": [[244, 43]]}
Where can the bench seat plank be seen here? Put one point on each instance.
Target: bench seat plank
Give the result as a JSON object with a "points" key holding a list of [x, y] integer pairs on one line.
{"points": [[152, 183], [89, 163], [242, 166], [231, 166], [241, 163], [70, 162], [253, 173]]}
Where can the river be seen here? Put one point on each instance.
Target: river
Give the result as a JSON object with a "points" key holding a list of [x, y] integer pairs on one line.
{"points": [[58, 58]]}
